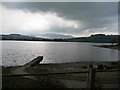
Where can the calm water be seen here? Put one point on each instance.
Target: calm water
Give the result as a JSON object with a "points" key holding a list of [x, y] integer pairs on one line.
{"points": [[20, 52]]}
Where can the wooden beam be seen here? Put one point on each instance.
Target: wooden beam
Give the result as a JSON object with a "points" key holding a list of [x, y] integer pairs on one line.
{"points": [[34, 62], [91, 78], [38, 74]]}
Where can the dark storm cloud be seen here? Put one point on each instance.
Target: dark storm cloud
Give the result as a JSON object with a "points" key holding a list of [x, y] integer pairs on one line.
{"points": [[93, 14], [75, 10]]}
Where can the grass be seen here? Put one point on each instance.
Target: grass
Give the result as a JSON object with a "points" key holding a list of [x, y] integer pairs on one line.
{"points": [[7, 70], [19, 82], [108, 76], [16, 82], [53, 80], [58, 69], [26, 82]]}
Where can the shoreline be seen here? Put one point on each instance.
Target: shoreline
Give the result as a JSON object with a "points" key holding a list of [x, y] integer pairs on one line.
{"points": [[68, 63], [62, 66], [116, 47]]}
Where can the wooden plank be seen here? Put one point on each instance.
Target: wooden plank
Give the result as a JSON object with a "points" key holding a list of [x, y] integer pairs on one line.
{"points": [[34, 62], [38, 74], [91, 78], [108, 70]]}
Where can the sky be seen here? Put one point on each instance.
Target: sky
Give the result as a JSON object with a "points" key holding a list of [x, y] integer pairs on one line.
{"points": [[67, 18]]}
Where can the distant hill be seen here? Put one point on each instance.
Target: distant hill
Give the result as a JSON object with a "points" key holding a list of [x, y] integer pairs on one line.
{"points": [[18, 37], [98, 38], [55, 36]]}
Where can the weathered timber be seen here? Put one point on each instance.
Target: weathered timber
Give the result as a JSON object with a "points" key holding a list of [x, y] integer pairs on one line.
{"points": [[91, 78], [34, 62]]}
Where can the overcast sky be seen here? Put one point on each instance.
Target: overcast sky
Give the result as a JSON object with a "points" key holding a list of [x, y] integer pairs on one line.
{"points": [[68, 18]]}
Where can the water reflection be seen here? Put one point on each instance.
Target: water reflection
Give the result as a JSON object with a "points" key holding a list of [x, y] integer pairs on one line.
{"points": [[21, 52]]}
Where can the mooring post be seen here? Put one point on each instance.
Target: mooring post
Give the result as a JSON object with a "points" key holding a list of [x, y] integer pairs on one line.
{"points": [[91, 78]]}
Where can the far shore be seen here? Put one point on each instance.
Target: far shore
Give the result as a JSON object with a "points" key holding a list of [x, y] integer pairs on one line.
{"points": [[117, 47]]}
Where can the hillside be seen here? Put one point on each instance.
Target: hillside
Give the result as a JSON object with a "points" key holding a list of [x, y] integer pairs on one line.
{"points": [[19, 37], [98, 38]]}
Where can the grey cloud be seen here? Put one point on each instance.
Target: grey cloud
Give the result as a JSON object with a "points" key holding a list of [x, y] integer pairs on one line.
{"points": [[93, 14], [75, 10]]}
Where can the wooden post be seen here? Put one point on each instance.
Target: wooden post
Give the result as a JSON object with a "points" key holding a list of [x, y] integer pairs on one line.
{"points": [[91, 78]]}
